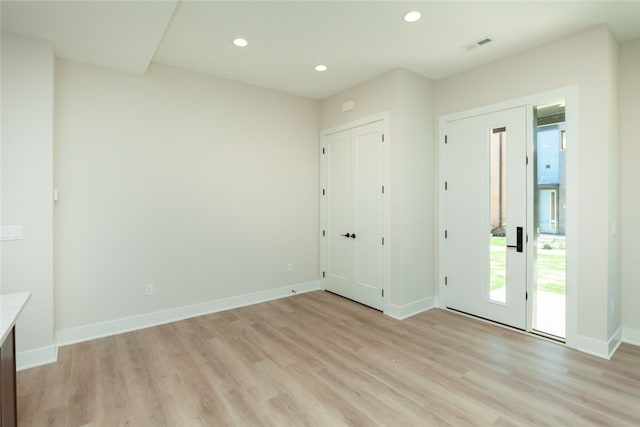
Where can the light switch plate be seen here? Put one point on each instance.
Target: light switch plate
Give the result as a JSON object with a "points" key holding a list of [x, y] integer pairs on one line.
{"points": [[11, 232]]}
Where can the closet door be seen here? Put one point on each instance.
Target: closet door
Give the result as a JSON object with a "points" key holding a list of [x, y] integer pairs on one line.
{"points": [[354, 215]]}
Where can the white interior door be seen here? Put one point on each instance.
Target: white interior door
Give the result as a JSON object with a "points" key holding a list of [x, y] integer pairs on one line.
{"points": [[485, 242], [354, 214]]}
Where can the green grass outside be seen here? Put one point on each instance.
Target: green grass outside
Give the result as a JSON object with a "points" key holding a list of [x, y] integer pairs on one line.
{"points": [[550, 266], [498, 263]]}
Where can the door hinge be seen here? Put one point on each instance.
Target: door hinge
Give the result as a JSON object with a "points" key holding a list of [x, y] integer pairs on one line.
{"points": [[446, 280], [323, 274], [383, 293], [323, 235], [383, 241], [526, 296], [383, 137], [527, 238], [446, 139], [527, 162], [446, 234], [446, 186], [323, 192], [383, 189], [322, 150]]}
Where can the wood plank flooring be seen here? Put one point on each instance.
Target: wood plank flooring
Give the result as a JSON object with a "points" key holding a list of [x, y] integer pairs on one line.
{"points": [[320, 360]]}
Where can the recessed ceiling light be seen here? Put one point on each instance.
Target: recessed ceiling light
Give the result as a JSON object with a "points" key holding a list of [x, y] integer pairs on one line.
{"points": [[321, 67], [240, 42], [412, 16]]}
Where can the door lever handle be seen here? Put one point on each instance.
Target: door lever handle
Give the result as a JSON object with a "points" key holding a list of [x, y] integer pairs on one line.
{"points": [[353, 235], [518, 244], [518, 239], [346, 235]]}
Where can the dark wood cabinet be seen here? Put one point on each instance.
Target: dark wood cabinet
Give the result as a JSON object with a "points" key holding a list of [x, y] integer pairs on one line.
{"points": [[8, 407], [10, 307]]}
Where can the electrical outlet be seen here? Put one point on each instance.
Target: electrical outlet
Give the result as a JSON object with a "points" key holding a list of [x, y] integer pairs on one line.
{"points": [[290, 267], [148, 289]]}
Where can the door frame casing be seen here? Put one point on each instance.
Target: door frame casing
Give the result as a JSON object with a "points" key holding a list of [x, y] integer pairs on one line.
{"points": [[383, 117], [570, 96]]}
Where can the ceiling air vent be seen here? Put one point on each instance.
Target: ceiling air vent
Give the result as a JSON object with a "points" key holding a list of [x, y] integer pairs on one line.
{"points": [[484, 41]]}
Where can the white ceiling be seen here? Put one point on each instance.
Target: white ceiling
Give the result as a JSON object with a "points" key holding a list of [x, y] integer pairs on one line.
{"points": [[119, 35], [356, 40]]}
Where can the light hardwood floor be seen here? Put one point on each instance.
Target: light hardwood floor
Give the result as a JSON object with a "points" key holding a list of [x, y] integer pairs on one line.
{"points": [[318, 359]]}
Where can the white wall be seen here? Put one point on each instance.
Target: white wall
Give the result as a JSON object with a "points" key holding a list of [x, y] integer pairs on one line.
{"points": [[587, 60], [204, 187], [630, 196], [408, 98], [27, 180], [413, 177], [613, 293]]}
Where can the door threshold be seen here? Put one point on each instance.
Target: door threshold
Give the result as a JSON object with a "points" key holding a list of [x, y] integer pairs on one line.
{"points": [[535, 334], [484, 319], [548, 336]]}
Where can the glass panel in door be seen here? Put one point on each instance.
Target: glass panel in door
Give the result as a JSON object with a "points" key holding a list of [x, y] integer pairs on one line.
{"points": [[498, 215]]}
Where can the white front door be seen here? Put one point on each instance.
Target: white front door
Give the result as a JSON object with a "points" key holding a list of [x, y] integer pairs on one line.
{"points": [[485, 212], [353, 213]]}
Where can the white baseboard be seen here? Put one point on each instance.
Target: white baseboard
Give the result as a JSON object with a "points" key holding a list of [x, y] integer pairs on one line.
{"points": [[402, 312], [592, 346], [631, 336], [600, 348], [127, 324], [614, 342], [36, 357]]}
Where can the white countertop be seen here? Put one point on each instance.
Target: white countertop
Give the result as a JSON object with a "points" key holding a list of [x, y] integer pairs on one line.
{"points": [[10, 307]]}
